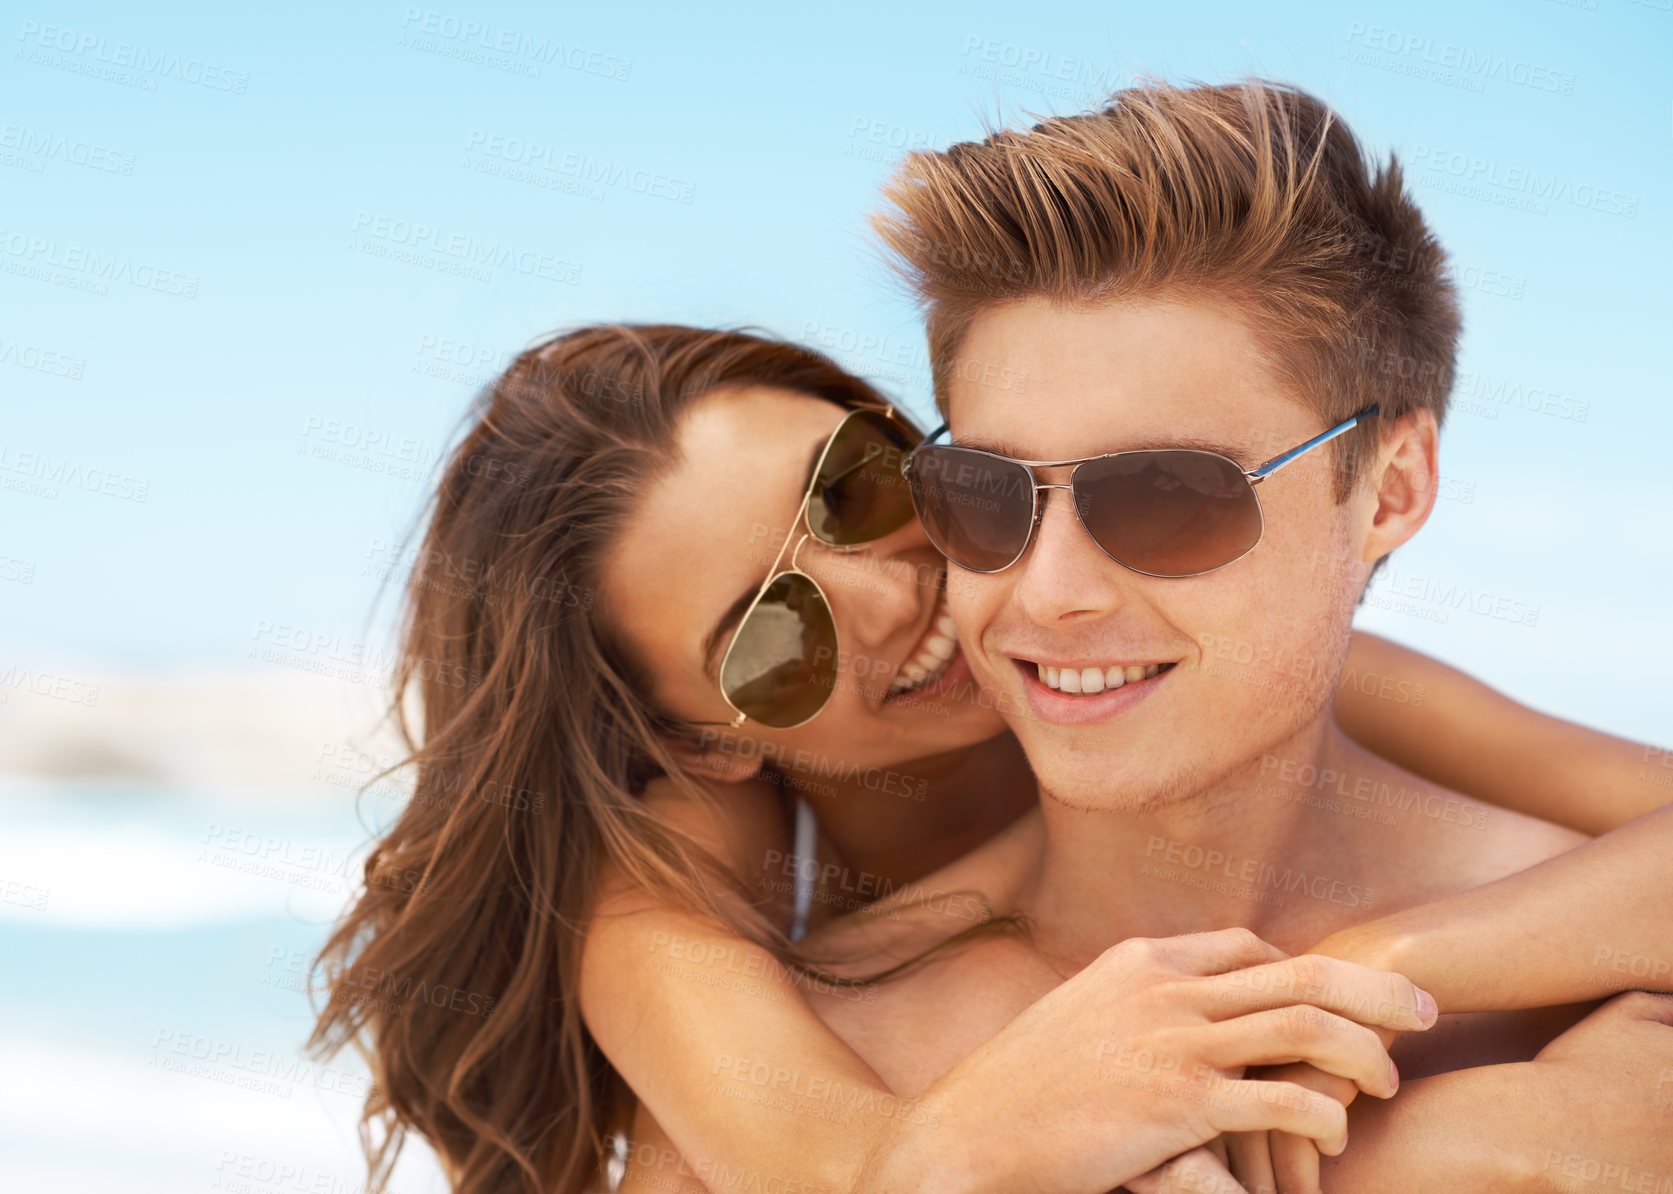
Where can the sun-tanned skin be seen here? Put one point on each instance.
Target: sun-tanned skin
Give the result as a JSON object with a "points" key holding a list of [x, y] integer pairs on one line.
{"points": [[1419, 692], [1139, 787]]}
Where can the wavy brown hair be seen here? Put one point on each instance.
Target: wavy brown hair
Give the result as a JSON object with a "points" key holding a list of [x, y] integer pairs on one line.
{"points": [[529, 736]]}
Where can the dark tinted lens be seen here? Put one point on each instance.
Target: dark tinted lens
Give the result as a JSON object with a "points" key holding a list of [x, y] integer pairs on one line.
{"points": [[860, 494], [976, 509], [782, 664], [1168, 513]]}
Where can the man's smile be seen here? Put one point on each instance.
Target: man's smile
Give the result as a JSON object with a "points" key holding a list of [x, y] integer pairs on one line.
{"points": [[1075, 692]]}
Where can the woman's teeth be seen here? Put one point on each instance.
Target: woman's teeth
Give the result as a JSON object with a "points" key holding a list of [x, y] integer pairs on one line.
{"points": [[937, 651], [1095, 679]]}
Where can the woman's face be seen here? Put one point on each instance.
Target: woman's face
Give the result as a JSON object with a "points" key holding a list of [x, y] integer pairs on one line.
{"points": [[700, 543]]}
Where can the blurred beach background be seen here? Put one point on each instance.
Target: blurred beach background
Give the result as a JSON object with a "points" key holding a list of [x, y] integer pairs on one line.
{"points": [[254, 263]]}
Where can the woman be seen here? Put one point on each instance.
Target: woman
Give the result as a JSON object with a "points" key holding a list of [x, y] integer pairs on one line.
{"points": [[625, 500]]}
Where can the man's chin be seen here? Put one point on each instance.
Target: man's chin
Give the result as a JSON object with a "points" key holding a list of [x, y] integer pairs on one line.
{"points": [[1110, 784]]}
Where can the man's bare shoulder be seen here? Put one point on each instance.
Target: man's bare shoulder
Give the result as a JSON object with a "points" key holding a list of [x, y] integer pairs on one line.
{"points": [[954, 966], [1457, 842]]}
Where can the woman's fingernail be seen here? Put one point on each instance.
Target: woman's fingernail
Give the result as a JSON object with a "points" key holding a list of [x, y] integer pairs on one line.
{"points": [[1393, 1077], [1426, 1009]]}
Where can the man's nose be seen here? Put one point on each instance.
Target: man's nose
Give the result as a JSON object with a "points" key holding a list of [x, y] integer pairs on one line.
{"points": [[1065, 576]]}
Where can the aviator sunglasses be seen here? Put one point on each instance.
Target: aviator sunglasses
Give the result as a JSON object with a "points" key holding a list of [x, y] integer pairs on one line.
{"points": [[1168, 512], [781, 665]]}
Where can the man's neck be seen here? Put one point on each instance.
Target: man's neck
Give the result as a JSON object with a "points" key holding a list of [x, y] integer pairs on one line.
{"points": [[1241, 851]]}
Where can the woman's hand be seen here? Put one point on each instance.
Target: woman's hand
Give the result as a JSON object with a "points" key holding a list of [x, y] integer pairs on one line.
{"points": [[1281, 1162], [1140, 1058], [1589, 1112]]}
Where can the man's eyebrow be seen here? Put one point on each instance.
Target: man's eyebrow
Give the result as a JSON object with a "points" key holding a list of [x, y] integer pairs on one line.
{"points": [[1200, 443], [735, 611]]}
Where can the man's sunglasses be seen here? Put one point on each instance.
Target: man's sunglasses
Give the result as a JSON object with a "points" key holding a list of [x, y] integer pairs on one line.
{"points": [[1170, 512], [781, 665]]}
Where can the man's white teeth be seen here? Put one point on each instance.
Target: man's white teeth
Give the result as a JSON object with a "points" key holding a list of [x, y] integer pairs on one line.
{"points": [[1092, 679]]}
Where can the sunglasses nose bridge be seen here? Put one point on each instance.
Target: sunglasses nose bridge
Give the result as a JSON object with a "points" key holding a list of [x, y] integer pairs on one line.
{"points": [[1063, 570]]}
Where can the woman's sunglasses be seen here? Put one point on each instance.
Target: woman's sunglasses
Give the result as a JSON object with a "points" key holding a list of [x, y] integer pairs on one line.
{"points": [[1171, 512], [781, 665]]}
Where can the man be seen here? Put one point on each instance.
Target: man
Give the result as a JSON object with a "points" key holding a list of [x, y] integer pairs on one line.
{"points": [[1209, 272], [1209, 269]]}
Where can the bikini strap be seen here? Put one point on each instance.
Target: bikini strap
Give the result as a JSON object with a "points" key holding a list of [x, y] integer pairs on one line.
{"points": [[807, 847]]}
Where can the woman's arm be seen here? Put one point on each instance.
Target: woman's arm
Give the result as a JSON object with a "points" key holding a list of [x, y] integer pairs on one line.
{"points": [[1583, 925], [737, 1076], [689, 1014], [1448, 727], [1590, 1112]]}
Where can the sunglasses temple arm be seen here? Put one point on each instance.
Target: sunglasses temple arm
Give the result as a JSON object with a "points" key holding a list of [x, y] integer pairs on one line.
{"points": [[734, 723], [1277, 462]]}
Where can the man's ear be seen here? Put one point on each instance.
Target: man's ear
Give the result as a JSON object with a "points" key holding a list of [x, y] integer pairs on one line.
{"points": [[710, 758], [1404, 479]]}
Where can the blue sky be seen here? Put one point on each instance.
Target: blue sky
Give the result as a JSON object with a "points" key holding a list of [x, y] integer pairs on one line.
{"points": [[275, 202]]}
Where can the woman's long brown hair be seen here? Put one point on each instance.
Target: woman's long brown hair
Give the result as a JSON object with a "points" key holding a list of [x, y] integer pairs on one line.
{"points": [[528, 738]]}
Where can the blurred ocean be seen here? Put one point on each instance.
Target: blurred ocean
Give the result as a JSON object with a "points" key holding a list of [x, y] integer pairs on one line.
{"points": [[156, 943]]}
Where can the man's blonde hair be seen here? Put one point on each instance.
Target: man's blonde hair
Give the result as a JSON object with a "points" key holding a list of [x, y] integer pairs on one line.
{"points": [[1251, 193]]}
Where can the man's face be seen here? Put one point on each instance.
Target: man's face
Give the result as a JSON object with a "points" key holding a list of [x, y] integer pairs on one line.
{"points": [[1254, 647]]}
